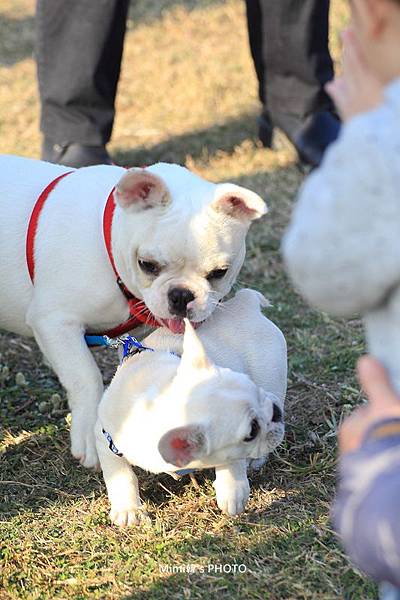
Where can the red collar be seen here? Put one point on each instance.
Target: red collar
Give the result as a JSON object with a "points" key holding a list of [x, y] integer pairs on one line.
{"points": [[138, 311], [139, 314]]}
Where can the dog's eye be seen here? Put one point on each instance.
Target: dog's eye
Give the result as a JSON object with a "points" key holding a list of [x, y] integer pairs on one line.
{"points": [[149, 267], [254, 431], [217, 274]]}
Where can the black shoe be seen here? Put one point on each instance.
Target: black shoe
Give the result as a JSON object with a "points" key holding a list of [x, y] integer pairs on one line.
{"points": [[75, 155], [310, 138], [265, 129]]}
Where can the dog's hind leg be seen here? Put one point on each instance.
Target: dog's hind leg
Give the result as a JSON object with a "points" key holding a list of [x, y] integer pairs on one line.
{"points": [[61, 339]]}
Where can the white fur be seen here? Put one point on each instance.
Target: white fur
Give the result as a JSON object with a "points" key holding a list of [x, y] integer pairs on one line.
{"points": [[155, 392], [75, 288]]}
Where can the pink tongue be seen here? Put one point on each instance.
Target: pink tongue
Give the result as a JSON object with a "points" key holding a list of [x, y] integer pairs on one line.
{"points": [[175, 325]]}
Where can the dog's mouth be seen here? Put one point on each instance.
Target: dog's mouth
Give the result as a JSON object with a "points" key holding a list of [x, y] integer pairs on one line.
{"points": [[178, 325]]}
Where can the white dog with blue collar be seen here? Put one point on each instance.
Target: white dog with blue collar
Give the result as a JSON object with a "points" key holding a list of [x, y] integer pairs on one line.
{"points": [[218, 406]]}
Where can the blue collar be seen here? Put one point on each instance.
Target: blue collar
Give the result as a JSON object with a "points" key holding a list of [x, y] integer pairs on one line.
{"points": [[111, 444]]}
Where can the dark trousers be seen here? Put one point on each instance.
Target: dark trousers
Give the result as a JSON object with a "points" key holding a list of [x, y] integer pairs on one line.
{"points": [[289, 46], [79, 52]]}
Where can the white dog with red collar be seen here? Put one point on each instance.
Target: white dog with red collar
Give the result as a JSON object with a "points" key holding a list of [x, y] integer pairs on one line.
{"points": [[218, 406], [91, 249]]}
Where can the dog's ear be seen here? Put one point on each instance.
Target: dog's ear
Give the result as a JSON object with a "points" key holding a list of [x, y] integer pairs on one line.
{"points": [[181, 445], [139, 189], [194, 355], [238, 202]]}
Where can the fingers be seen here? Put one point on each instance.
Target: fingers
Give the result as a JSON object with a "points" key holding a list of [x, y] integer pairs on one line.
{"points": [[336, 89], [375, 382], [356, 73], [352, 430], [352, 56], [383, 403]]}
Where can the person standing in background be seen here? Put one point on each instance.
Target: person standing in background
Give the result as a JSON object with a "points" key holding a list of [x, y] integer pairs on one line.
{"points": [[289, 42], [79, 53]]}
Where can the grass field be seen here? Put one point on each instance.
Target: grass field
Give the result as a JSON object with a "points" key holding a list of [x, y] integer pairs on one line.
{"points": [[187, 94]]}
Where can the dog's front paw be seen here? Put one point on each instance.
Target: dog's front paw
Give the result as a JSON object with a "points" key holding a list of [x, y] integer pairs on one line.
{"points": [[83, 442], [129, 516], [232, 498]]}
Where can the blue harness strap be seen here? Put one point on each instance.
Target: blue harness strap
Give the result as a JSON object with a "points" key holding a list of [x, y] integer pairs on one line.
{"points": [[130, 345], [97, 340], [111, 444]]}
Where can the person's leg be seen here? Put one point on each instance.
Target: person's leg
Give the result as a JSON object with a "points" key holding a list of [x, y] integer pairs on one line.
{"points": [[296, 56], [256, 39], [79, 51], [289, 45]]}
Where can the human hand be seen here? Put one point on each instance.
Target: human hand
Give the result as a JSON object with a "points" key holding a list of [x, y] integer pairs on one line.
{"points": [[358, 90], [383, 403]]}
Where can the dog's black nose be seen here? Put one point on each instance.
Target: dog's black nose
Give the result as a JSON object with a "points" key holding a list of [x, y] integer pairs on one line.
{"points": [[276, 413], [178, 299]]}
